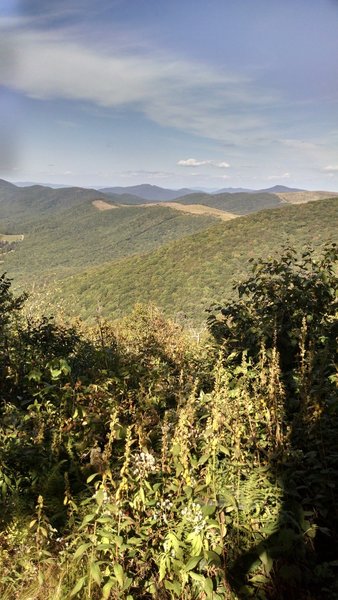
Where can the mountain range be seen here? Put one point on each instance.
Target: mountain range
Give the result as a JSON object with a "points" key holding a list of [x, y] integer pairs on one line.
{"points": [[83, 247], [154, 192]]}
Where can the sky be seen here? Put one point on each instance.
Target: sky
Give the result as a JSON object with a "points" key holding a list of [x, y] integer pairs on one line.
{"points": [[176, 93]]}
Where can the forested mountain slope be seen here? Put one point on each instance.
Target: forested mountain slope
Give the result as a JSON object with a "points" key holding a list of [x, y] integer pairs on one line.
{"points": [[189, 274], [238, 203], [23, 207], [79, 236], [182, 262]]}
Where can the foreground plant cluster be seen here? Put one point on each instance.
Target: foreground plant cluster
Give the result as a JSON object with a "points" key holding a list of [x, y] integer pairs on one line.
{"points": [[136, 462]]}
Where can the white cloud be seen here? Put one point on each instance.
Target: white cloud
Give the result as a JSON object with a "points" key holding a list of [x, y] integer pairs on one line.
{"points": [[331, 168], [282, 176], [193, 162], [187, 95], [298, 144]]}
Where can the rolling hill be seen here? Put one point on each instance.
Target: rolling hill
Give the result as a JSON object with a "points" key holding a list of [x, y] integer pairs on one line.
{"points": [[236, 202], [178, 254], [23, 207], [241, 203], [64, 230], [187, 275]]}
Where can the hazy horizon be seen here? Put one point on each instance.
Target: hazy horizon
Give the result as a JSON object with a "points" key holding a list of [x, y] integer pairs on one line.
{"points": [[168, 187]]}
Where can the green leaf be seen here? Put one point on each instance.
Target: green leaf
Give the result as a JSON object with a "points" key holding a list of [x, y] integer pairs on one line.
{"points": [[135, 541], [259, 579], [142, 495], [266, 560], [102, 546], [174, 542], [95, 572], [213, 524], [88, 518], [197, 577], [99, 497], [119, 574], [174, 586], [107, 589], [214, 558], [127, 583], [55, 373], [34, 375], [208, 509], [163, 568], [196, 543], [64, 366], [81, 550], [203, 459], [91, 477], [78, 586], [208, 587], [104, 520], [176, 449], [192, 563]]}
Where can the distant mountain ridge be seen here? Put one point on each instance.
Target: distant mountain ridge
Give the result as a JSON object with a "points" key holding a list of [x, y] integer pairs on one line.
{"points": [[148, 192], [20, 204], [281, 188], [154, 192]]}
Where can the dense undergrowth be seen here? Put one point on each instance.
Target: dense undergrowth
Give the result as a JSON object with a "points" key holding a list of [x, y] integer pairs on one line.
{"points": [[139, 462]]}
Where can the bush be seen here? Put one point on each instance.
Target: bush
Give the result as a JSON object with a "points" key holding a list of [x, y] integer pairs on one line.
{"points": [[284, 301]]}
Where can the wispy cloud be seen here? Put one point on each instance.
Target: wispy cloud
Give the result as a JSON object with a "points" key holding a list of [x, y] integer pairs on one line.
{"points": [[193, 162], [282, 176], [170, 91], [299, 144], [221, 165], [331, 168]]}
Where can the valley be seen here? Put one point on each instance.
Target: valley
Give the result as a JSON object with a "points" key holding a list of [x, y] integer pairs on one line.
{"points": [[90, 248]]}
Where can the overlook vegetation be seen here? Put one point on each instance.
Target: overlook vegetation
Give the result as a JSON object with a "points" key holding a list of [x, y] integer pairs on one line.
{"points": [[136, 462]]}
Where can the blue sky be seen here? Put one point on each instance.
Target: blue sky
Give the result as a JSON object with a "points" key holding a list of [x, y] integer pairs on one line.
{"points": [[174, 93]]}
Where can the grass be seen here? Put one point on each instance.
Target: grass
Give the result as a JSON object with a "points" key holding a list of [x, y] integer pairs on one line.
{"points": [[11, 237], [198, 209]]}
